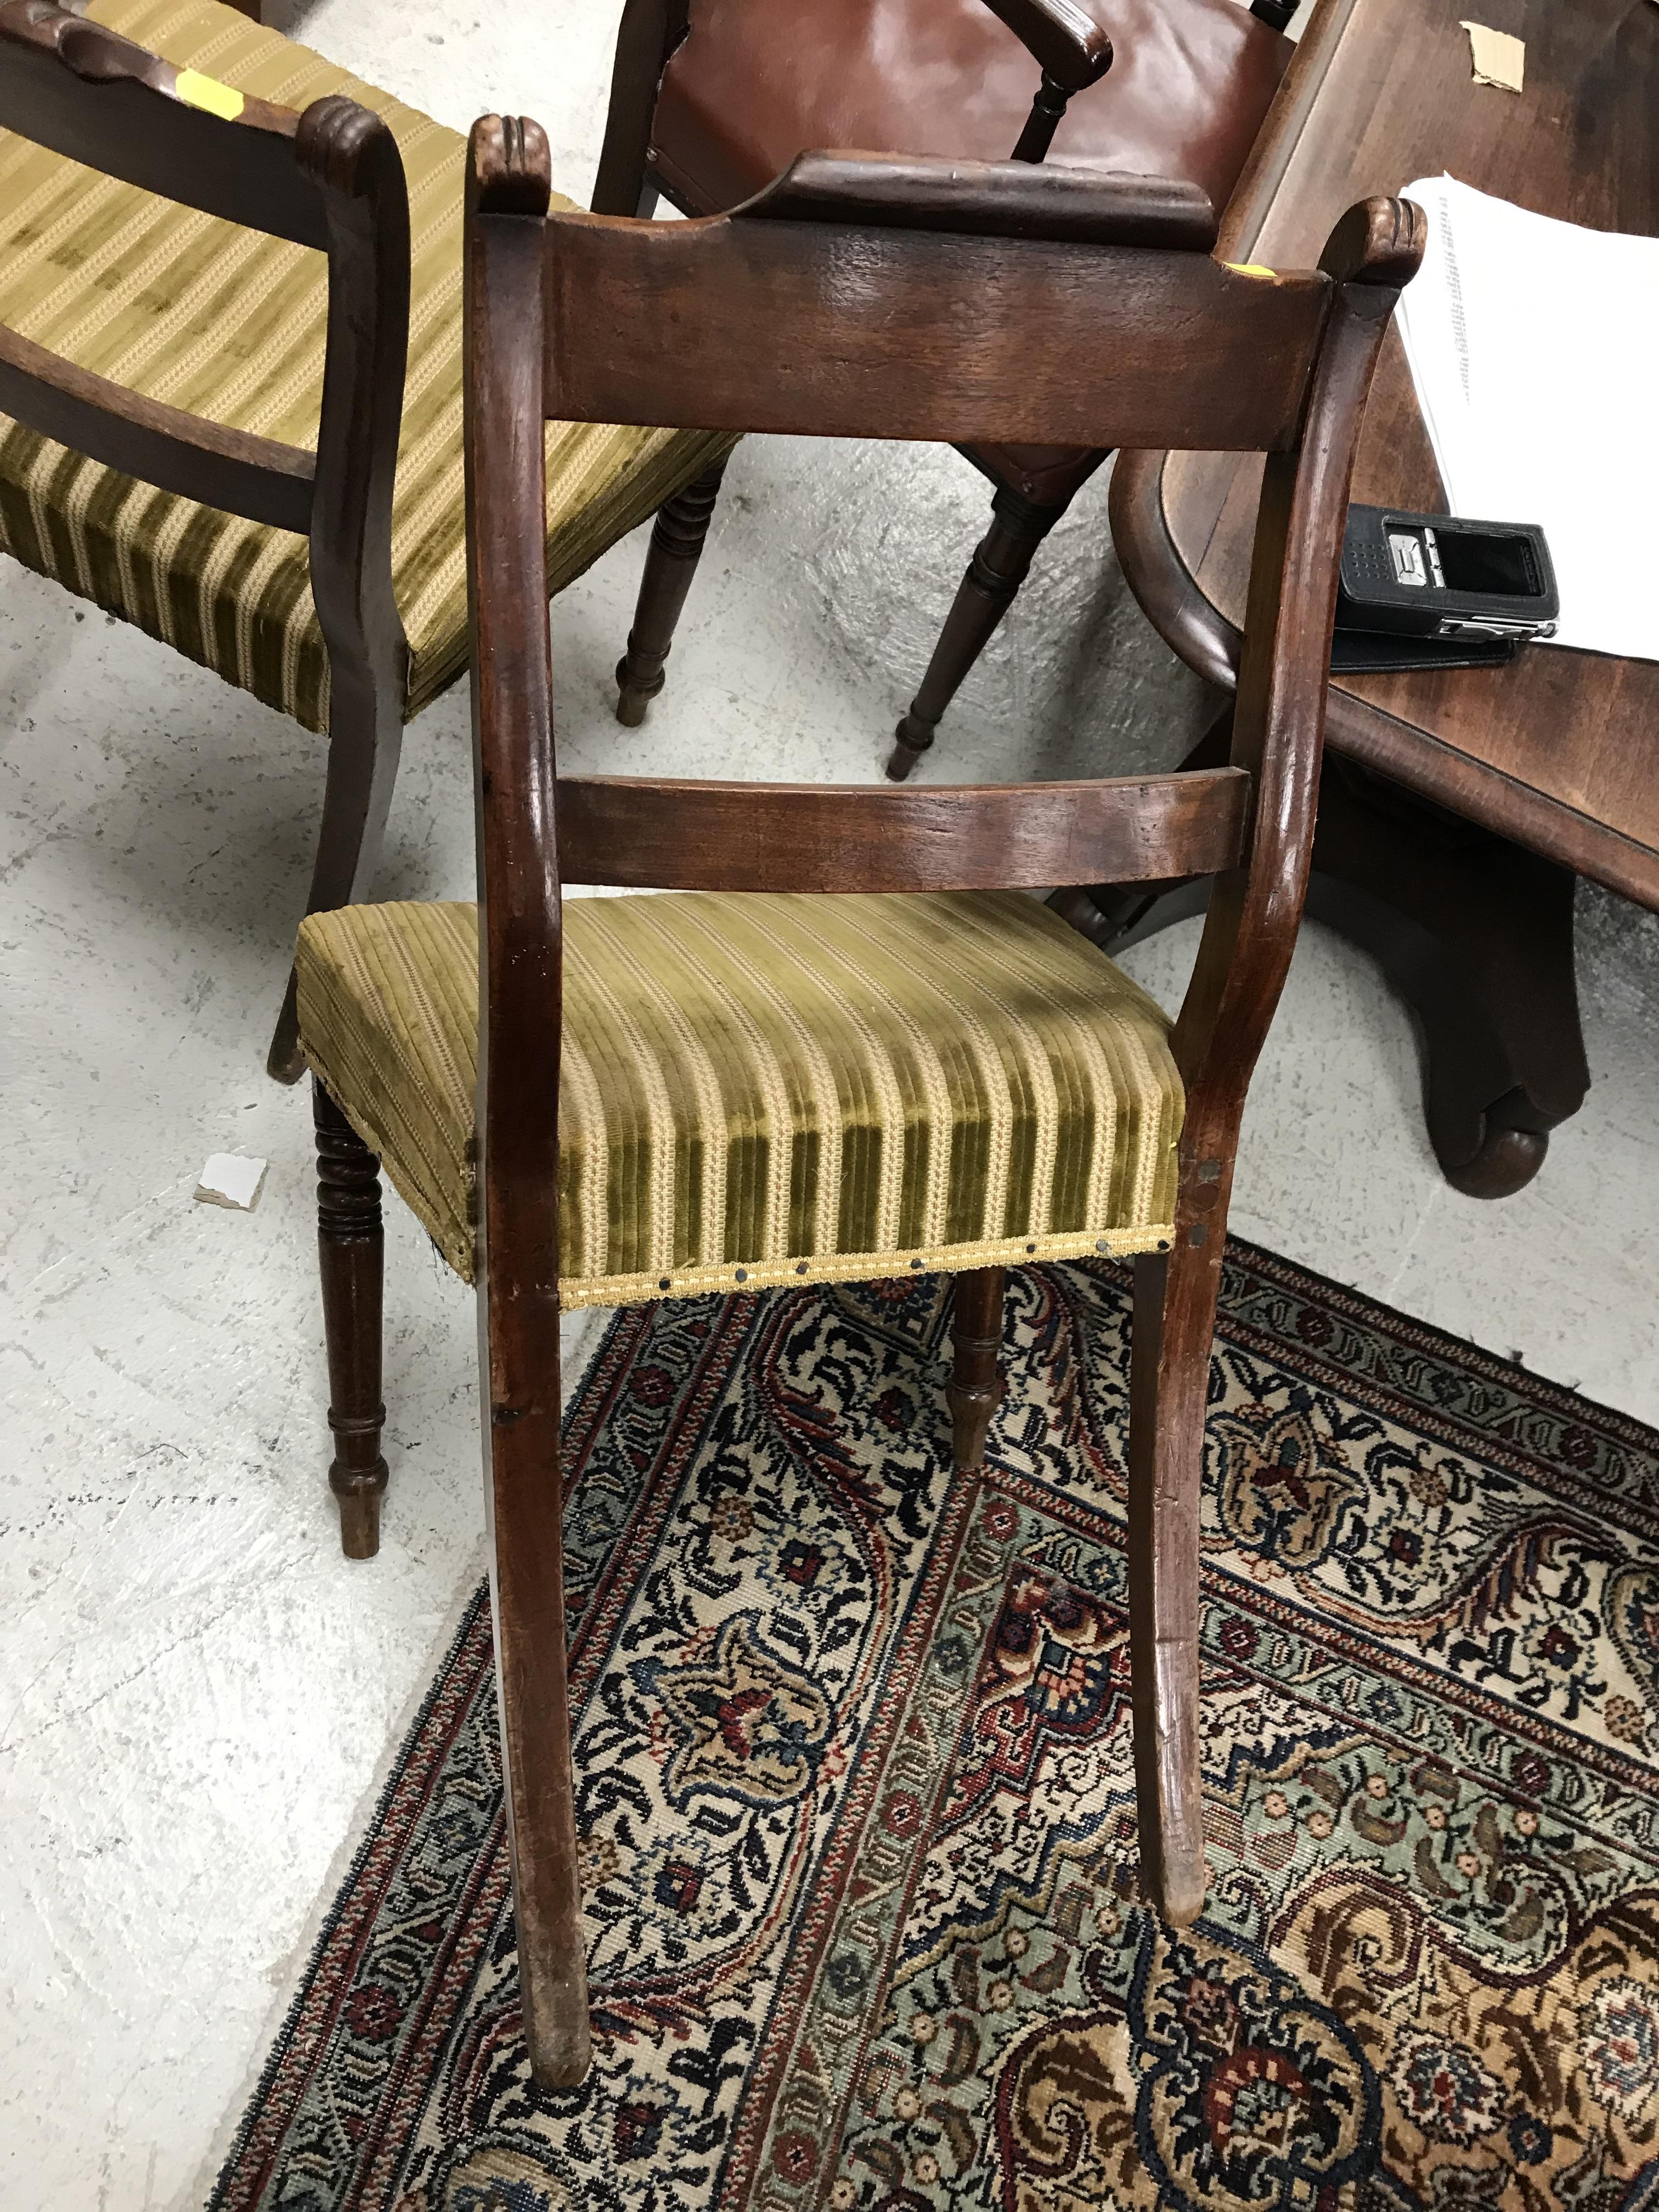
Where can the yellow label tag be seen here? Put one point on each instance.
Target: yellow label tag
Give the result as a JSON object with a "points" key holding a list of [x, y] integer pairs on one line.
{"points": [[197, 91], [1249, 269]]}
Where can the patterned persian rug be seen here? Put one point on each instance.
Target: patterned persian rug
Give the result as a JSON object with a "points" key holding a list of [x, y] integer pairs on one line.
{"points": [[853, 1775]]}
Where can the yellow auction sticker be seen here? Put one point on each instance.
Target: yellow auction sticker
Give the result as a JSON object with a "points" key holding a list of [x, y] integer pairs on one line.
{"points": [[198, 91], [1249, 269]]}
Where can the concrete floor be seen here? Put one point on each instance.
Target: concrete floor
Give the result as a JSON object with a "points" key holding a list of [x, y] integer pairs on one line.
{"points": [[199, 1693]]}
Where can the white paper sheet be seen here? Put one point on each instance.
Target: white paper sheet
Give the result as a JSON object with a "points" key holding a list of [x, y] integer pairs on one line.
{"points": [[1534, 348]]}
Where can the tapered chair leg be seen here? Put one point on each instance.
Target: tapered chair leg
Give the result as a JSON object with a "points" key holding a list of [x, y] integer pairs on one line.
{"points": [[974, 1390], [525, 1505], [1174, 1301], [349, 1252], [365, 741], [670, 562], [1001, 561]]}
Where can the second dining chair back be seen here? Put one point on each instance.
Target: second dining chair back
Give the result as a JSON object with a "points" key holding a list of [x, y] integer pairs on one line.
{"points": [[230, 388], [330, 178]]}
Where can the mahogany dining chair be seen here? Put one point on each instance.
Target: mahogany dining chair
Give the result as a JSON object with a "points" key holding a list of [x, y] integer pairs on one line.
{"points": [[847, 1043]]}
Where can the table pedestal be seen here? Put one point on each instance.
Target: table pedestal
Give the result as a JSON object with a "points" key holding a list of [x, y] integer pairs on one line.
{"points": [[1475, 935]]}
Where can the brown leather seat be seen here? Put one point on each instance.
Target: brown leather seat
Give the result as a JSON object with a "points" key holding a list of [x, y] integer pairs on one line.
{"points": [[755, 82]]}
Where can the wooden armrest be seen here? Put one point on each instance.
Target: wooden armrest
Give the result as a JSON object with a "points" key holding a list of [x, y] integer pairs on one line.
{"points": [[1066, 42]]}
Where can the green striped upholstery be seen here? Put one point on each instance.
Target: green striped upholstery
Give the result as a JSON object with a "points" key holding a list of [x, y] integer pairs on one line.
{"points": [[230, 325], [773, 1089]]}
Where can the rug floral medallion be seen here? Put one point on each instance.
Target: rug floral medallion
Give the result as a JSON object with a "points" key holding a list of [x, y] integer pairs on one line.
{"points": [[855, 1784]]}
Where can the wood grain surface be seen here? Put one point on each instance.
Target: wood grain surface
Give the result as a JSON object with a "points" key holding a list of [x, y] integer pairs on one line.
{"points": [[791, 325], [839, 837]]}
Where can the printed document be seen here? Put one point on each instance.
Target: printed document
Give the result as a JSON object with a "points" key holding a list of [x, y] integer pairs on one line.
{"points": [[1534, 348]]}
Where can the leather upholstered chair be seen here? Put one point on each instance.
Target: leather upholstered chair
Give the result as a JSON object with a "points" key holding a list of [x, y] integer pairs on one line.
{"points": [[852, 1047], [711, 98], [246, 446]]}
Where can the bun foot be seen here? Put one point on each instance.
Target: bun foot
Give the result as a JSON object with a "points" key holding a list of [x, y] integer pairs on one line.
{"points": [[1505, 1162], [909, 744], [360, 1497], [635, 693]]}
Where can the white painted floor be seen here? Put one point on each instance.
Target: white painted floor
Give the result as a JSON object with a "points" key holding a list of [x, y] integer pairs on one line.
{"points": [[198, 1692]]}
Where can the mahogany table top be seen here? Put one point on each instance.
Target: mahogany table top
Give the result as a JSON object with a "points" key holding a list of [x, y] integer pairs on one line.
{"points": [[1559, 751]]}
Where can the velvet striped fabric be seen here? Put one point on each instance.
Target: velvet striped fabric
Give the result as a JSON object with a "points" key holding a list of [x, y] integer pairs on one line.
{"points": [[230, 325], [760, 1090]]}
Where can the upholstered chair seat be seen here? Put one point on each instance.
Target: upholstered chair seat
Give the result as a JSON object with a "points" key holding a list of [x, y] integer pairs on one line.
{"points": [[761, 1089], [230, 324]]}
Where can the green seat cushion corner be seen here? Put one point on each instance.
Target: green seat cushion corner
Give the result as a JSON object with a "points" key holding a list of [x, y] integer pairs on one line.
{"points": [[766, 1089]]}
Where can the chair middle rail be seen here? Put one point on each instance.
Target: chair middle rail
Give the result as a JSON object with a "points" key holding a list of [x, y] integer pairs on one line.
{"points": [[261, 478], [668, 836]]}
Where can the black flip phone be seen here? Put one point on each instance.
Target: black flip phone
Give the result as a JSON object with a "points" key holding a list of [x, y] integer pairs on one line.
{"points": [[1437, 591]]}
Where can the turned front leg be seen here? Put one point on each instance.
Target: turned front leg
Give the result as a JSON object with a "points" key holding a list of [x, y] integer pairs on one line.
{"points": [[974, 1390], [1000, 565], [670, 562], [350, 1247]]}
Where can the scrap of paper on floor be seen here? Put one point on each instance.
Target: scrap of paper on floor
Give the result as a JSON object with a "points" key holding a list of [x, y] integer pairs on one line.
{"points": [[230, 1179]]}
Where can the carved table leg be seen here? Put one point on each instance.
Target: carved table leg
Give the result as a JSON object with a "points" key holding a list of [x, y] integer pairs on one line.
{"points": [[670, 562], [1475, 933], [349, 1248], [974, 1390], [1001, 561]]}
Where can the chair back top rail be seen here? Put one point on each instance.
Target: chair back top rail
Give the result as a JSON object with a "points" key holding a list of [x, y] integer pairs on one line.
{"points": [[180, 452], [839, 303], [668, 836], [905, 191], [330, 178], [86, 93], [860, 328]]}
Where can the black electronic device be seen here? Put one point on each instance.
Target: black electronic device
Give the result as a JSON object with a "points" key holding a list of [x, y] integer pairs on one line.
{"points": [[1439, 591]]}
